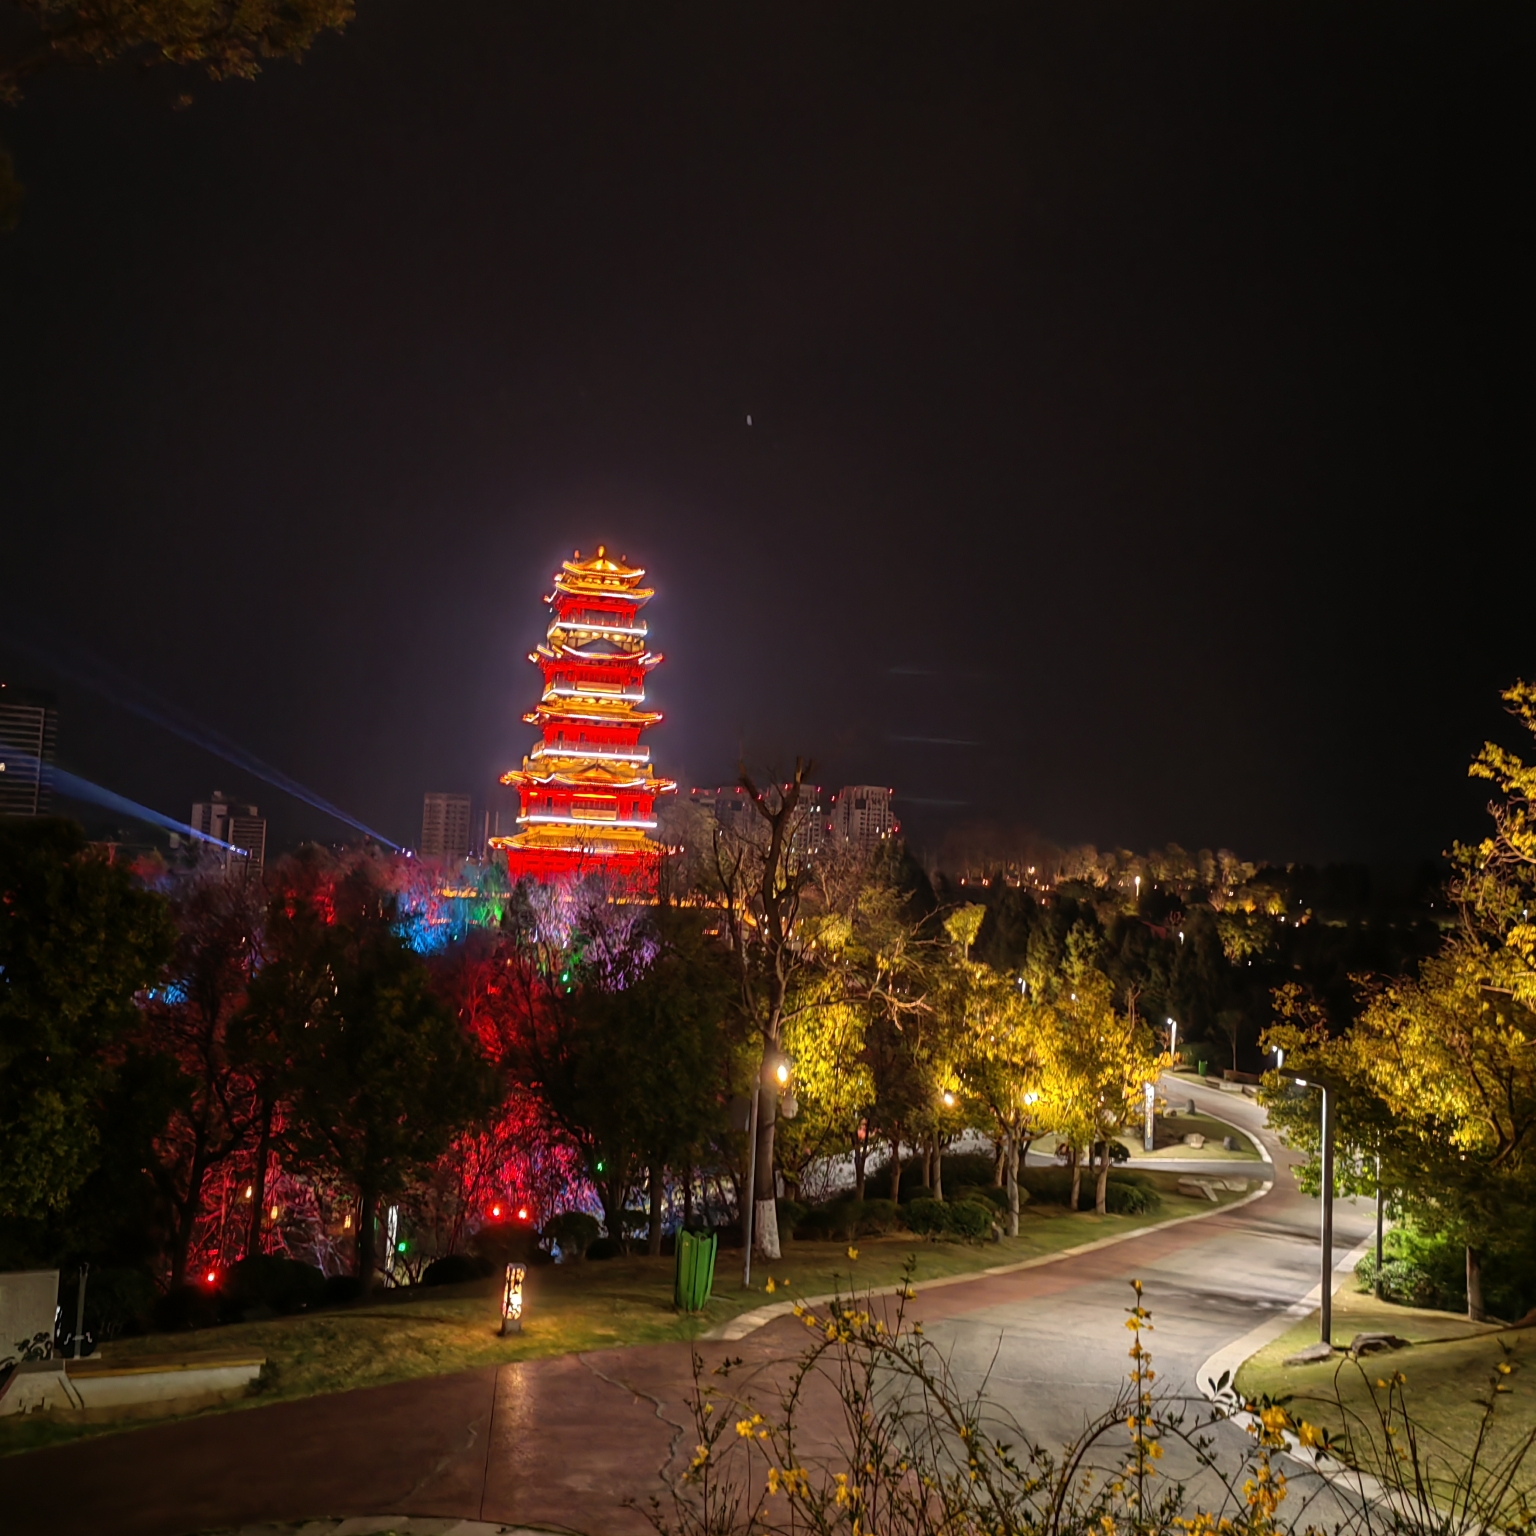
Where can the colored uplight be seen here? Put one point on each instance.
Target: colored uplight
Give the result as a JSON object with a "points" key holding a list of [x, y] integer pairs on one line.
{"points": [[399, 1247], [495, 1210], [522, 1213], [213, 1277]]}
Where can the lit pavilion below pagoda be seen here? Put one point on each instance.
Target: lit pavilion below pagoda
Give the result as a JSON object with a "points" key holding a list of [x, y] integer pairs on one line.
{"points": [[587, 795]]}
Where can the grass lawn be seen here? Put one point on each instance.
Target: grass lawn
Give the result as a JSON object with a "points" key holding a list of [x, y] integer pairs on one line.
{"points": [[574, 1308], [1446, 1368]]}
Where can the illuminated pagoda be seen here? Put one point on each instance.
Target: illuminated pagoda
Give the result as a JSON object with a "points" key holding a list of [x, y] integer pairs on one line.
{"points": [[587, 796]]}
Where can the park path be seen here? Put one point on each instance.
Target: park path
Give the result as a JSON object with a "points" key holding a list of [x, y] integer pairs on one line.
{"points": [[561, 1443]]}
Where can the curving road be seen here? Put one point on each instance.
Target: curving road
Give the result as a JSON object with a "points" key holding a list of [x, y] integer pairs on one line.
{"points": [[562, 1442]]}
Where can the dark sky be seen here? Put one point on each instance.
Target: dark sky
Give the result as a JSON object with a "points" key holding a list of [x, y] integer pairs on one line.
{"points": [[1140, 402]]}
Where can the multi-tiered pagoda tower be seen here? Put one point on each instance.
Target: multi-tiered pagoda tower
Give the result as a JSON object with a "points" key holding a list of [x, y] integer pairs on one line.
{"points": [[587, 794]]}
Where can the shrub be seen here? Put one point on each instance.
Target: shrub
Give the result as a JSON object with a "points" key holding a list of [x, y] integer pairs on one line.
{"points": [[453, 1269], [270, 1280], [1429, 1270], [184, 1306], [117, 1302], [606, 1248], [846, 1218], [988, 1194], [341, 1289], [915, 1191], [928, 1217], [972, 1220], [1123, 1198], [878, 1217], [574, 1231], [1127, 1194], [976, 1169], [791, 1213], [499, 1243]]}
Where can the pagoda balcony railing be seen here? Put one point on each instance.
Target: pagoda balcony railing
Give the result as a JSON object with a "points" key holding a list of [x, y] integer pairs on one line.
{"points": [[573, 749], [598, 627], [595, 691], [583, 819]]}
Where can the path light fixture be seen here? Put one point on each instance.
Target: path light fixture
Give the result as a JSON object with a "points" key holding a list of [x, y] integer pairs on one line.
{"points": [[949, 1099], [512, 1299]]}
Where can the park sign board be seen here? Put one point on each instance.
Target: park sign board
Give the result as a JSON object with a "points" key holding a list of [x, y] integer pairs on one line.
{"points": [[29, 1305]]}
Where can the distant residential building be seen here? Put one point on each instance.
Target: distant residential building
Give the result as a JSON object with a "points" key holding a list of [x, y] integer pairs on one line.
{"points": [[29, 726], [444, 826], [862, 815], [241, 827], [734, 810]]}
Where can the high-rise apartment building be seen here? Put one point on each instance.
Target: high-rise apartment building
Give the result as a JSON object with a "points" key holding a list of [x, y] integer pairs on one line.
{"points": [[240, 826], [29, 725], [862, 815], [734, 810], [444, 826]]}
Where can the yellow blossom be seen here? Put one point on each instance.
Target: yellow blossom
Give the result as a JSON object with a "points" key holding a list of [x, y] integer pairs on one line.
{"points": [[853, 1253], [1311, 1435], [770, 1287]]}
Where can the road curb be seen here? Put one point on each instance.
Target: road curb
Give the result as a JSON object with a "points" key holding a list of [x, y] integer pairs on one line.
{"points": [[1230, 1357], [749, 1322]]}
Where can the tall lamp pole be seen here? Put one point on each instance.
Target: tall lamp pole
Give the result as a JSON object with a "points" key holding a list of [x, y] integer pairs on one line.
{"points": [[749, 1205], [1325, 1290], [1326, 1325]]}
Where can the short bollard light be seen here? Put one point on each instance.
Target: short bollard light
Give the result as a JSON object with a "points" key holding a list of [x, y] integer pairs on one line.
{"points": [[512, 1300]]}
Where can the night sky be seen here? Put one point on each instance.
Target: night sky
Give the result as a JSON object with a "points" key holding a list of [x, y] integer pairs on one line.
{"points": [[1140, 402]]}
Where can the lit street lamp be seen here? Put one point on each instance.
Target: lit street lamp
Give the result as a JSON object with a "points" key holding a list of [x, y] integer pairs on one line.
{"points": [[1325, 1290]]}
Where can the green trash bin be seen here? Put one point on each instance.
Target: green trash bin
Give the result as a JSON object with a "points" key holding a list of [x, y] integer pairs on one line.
{"points": [[695, 1270]]}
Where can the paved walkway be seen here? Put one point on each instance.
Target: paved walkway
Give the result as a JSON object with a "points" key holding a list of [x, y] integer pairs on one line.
{"points": [[564, 1442]]}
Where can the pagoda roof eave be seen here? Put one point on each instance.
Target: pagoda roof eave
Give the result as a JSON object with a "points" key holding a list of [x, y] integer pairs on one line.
{"points": [[628, 658], [547, 713]]}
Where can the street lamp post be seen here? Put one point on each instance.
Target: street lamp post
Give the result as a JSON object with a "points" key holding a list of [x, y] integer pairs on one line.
{"points": [[1326, 1324], [1325, 1290]]}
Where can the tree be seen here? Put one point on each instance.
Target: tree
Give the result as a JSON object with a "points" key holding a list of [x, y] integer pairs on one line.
{"points": [[187, 1020], [759, 880], [1002, 1073], [380, 1077], [226, 39], [1437, 1075], [632, 1062], [79, 941]]}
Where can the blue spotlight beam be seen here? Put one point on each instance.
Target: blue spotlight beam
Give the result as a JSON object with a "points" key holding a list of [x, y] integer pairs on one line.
{"points": [[143, 702], [77, 788]]}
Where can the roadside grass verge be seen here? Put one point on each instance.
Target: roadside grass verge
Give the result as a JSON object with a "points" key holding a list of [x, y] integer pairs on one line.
{"points": [[1447, 1371], [399, 1335]]}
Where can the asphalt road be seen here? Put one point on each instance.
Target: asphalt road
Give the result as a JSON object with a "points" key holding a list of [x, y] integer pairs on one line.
{"points": [[563, 1442]]}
